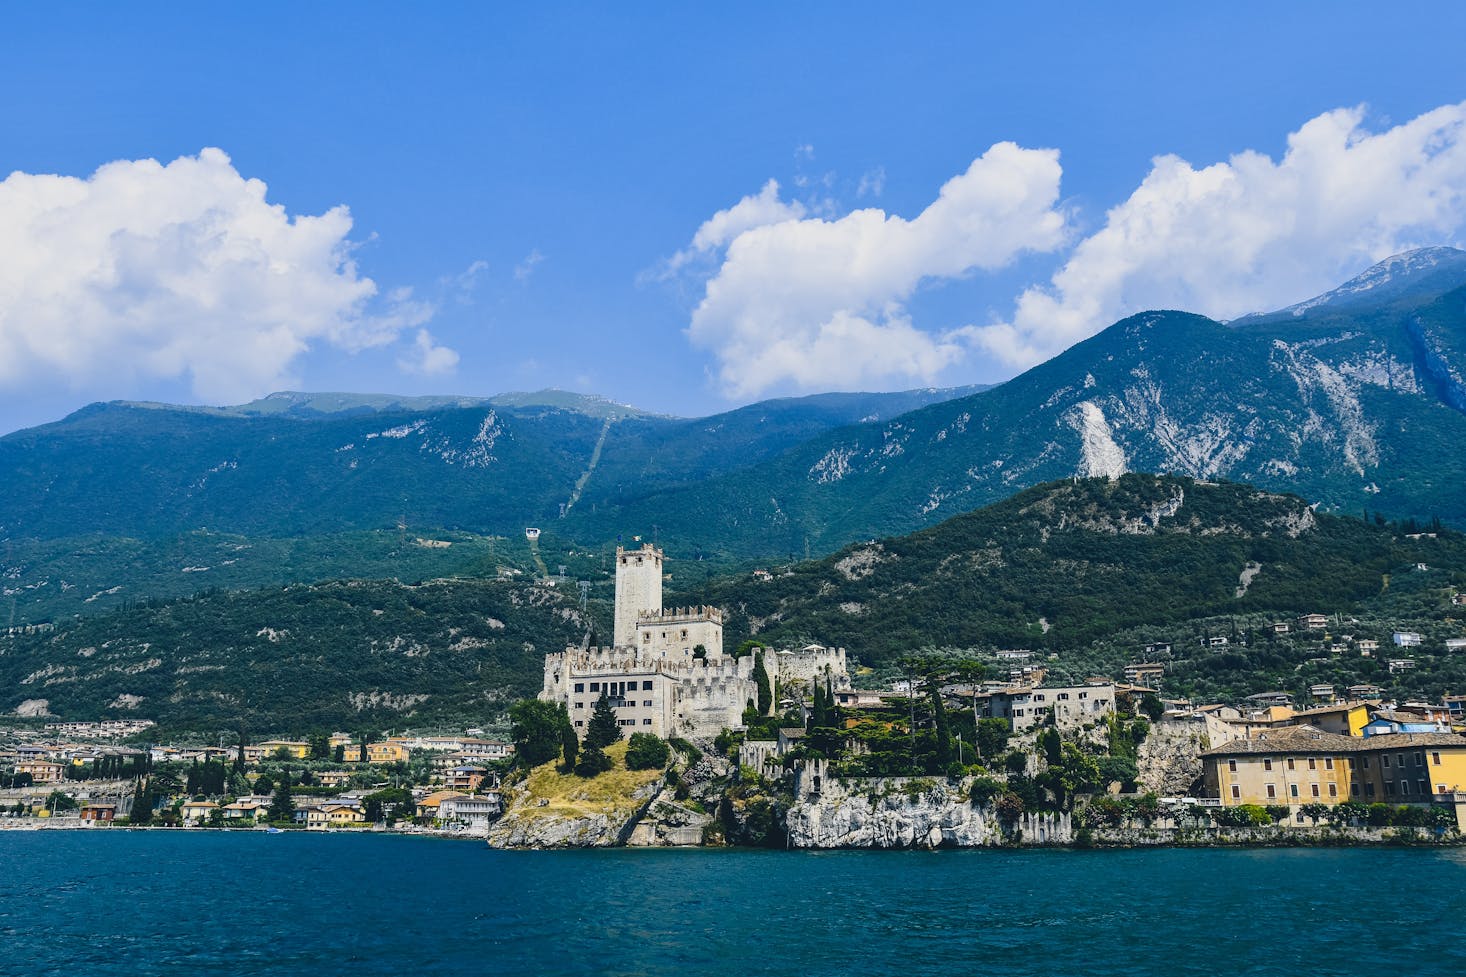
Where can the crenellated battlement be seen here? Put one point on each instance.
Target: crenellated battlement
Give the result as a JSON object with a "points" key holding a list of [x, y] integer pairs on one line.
{"points": [[680, 615]]}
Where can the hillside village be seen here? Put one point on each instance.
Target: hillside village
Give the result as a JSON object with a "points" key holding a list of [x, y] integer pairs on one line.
{"points": [[766, 745]]}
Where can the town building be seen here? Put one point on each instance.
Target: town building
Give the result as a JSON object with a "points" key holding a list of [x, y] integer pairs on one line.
{"points": [[1070, 706], [1303, 764], [1406, 639]]}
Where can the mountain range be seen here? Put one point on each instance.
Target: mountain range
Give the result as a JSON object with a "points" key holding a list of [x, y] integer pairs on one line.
{"points": [[1354, 400]]}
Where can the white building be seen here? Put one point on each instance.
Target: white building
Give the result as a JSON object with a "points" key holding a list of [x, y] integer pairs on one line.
{"points": [[1406, 639]]}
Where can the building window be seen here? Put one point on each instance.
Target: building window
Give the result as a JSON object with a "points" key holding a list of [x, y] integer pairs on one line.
{"points": [[1400, 759], [1018, 712], [1084, 695], [1236, 792], [646, 686], [1293, 790], [1328, 763], [1369, 790], [1333, 790], [1267, 763], [646, 722], [1312, 764], [647, 703], [1425, 787], [580, 705], [1314, 789], [1290, 763], [1364, 762], [579, 723], [1232, 765], [1272, 791], [580, 686], [1435, 757], [1384, 760], [1440, 788], [1389, 788], [1420, 759], [595, 686]]}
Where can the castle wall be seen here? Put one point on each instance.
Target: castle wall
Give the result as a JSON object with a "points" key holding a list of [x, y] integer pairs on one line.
{"points": [[638, 590], [811, 664], [678, 633]]}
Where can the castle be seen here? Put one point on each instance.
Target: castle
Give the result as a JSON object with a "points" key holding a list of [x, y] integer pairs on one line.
{"points": [[665, 671]]}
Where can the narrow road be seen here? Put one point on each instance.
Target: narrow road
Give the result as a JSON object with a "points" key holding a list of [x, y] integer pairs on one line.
{"points": [[595, 459]]}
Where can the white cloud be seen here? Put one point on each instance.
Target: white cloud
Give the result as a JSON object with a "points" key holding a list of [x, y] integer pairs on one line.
{"points": [[525, 268], [1251, 234], [754, 210], [146, 271], [872, 182], [811, 303], [427, 358]]}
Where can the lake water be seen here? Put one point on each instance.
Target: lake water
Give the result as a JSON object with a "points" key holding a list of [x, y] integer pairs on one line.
{"points": [[196, 902]]}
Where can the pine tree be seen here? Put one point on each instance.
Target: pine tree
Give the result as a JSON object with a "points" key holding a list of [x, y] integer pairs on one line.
{"points": [[602, 730], [282, 805], [761, 680]]}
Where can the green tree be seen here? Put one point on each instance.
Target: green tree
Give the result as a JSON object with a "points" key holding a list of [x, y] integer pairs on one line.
{"points": [[569, 746], [593, 760], [992, 736], [1151, 705], [602, 730], [765, 700], [647, 751], [282, 804], [537, 728], [264, 784]]}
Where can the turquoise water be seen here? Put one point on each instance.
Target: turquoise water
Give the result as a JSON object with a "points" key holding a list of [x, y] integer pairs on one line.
{"points": [[161, 903]]}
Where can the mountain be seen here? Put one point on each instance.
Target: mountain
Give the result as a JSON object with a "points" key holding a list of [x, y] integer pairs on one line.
{"points": [[1354, 408], [120, 501], [1082, 572], [1413, 277]]}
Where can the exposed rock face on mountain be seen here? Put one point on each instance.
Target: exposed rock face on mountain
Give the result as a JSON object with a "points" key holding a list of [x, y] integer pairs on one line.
{"points": [[1353, 401]]}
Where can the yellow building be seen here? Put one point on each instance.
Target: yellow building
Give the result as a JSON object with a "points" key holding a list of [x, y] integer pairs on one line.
{"points": [[389, 751], [1303, 764], [1289, 765], [296, 751]]}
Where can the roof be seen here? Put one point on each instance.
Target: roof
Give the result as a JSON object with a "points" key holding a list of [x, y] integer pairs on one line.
{"points": [[1289, 739], [1310, 739]]}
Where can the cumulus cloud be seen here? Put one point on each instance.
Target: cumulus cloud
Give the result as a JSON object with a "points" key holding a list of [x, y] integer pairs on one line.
{"points": [[1252, 234], [427, 358], [754, 210], [179, 271], [815, 303]]}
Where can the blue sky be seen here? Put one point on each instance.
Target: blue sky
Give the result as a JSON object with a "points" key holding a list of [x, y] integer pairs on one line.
{"points": [[526, 189]]}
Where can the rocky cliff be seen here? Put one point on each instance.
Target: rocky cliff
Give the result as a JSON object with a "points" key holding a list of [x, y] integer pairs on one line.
{"points": [[910, 813]]}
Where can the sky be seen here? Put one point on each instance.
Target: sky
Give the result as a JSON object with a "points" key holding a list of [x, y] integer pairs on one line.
{"points": [[685, 209]]}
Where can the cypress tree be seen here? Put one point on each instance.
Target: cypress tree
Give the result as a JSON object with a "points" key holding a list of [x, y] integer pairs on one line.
{"points": [[943, 727], [569, 745], [761, 679]]}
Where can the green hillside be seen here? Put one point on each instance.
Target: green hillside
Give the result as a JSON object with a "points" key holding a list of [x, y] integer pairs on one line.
{"points": [[1084, 573]]}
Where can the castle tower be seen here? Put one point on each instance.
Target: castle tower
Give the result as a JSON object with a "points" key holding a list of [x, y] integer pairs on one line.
{"points": [[638, 589]]}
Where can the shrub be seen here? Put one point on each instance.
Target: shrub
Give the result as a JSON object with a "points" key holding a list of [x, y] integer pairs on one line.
{"points": [[647, 751], [1009, 807], [592, 761]]}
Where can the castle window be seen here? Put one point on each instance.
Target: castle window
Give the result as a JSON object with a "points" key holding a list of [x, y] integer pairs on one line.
{"points": [[595, 686], [646, 686], [646, 722], [647, 703], [580, 686], [580, 705], [579, 723]]}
